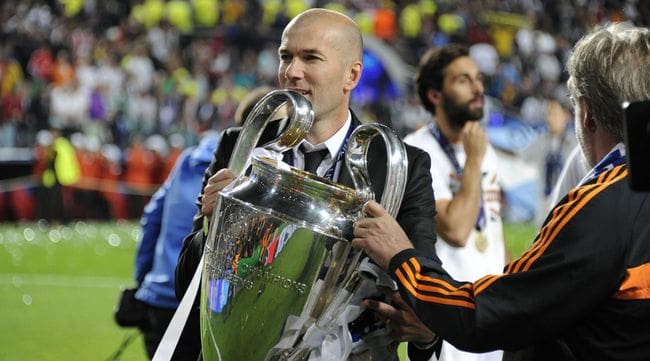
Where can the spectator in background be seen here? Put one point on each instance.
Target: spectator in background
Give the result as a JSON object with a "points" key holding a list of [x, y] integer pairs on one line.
{"points": [[69, 105], [464, 170], [176, 147], [41, 63], [549, 152], [111, 176], [139, 67], [574, 169], [41, 153], [159, 148], [140, 166], [167, 219], [142, 112], [63, 70], [89, 202], [61, 170], [11, 117], [111, 79], [248, 103]]}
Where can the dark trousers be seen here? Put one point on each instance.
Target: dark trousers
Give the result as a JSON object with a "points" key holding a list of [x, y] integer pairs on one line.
{"points": [[158, 320]]}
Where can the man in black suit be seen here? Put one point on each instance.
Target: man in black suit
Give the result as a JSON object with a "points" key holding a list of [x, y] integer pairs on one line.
{"points": [[321, 58]]}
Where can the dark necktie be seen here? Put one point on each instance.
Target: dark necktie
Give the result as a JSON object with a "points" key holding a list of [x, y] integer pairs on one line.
{"points": [[313, 159]]}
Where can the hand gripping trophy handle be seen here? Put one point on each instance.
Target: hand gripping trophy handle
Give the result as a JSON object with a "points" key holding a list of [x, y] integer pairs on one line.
{"points": [[289, 136]]}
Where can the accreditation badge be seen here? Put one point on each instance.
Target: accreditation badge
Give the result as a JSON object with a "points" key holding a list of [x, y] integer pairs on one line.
{"points": [[480, 240]]}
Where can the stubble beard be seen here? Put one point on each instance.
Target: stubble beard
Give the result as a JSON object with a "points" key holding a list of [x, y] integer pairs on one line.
{"points": [[459, 114]]}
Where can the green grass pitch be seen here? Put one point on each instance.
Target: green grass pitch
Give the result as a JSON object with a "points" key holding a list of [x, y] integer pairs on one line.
{"points": [[59, 285]]}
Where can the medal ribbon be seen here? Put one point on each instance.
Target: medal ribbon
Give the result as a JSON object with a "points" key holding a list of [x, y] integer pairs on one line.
{"points": [[449, 152]]}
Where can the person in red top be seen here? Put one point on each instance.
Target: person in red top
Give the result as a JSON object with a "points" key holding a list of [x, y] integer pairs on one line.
{"points": [[140, 165], [89, 202], [12, 106], [176, 147], [63, 71], [111, 188], [41, 64]]}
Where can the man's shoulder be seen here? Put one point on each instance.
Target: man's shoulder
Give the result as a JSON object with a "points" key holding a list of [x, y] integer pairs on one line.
{"points": [[414, 152], [232, 132], [418, 136]]}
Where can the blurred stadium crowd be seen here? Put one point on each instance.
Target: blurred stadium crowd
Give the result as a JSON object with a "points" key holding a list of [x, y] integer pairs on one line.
{"points": [[98, 98]]}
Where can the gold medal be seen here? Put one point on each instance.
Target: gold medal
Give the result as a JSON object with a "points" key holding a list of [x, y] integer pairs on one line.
{"points": [[480, 241]]}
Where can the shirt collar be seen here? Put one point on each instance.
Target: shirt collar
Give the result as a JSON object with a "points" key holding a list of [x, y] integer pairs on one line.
{"points": [[615, 157], [334, 142]]}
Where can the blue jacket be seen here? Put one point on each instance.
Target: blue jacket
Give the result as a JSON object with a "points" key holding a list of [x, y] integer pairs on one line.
{"points": [[166, 220]]}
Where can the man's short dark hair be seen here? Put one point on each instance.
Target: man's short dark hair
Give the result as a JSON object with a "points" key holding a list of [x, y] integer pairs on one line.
{"points": [[431, 70]]}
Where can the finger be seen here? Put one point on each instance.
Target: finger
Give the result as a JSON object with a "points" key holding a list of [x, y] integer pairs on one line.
{"points": [[386, 291], [466, 128], [358, 243], [215, 178], [473, 129], [221, 175], [207, 203], [206, 209], [397, 300], [374, 209], [361, 225], [384, 310], [209, 198]]}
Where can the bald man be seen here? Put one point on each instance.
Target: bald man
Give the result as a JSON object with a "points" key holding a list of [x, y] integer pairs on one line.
{"points": [[321, 58]]}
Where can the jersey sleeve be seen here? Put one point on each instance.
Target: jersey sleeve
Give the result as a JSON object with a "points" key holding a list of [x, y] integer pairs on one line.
{"points": [[541, 294]]}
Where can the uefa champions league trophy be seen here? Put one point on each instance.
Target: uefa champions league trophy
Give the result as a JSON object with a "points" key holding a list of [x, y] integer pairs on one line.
{"points": [[278, 256]]}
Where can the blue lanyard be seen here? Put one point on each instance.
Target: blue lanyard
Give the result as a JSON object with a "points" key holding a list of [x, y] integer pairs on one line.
{"points": [[330, 172], [449, 152]]}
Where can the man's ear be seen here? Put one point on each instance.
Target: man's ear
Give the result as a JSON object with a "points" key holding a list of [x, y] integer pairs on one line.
{"points": [[434, 96], [587, 119], [354, 75]]}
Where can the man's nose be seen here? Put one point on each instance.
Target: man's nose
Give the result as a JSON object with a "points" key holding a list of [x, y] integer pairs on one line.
{"points": [[294, 70], [477, 86]]}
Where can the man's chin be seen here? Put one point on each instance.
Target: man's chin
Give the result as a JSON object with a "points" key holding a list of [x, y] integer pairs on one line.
{"points": [[476, 115]]}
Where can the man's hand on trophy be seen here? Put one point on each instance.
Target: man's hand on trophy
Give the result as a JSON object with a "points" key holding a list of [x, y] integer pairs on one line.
{"points": [[379, 234], [405, 326], [215, 184]]}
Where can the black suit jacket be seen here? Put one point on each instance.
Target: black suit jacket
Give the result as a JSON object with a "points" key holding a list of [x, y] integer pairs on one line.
{"points": [[416, 213]]}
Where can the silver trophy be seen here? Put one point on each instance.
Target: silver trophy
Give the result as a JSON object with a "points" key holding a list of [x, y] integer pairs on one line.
{"points": [[278, 258]]}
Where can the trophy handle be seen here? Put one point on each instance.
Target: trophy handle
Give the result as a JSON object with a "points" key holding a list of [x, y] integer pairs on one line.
{"points": [[396, 164], [301, 118]]}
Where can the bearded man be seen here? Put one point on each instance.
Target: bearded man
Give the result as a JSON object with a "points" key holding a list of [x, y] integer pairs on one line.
{"points": [[463, 171]]}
